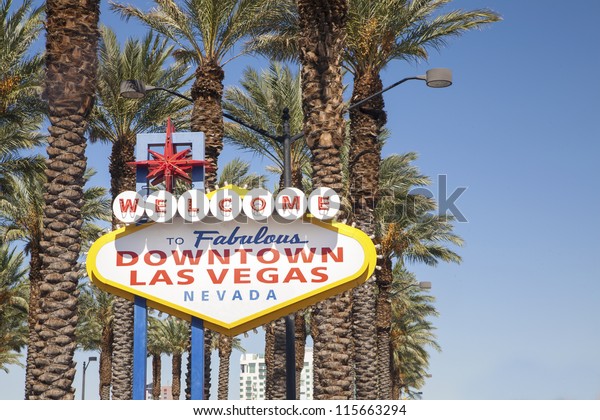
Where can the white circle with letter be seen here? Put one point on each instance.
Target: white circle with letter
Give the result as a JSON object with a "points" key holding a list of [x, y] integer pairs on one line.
{"points": [[291, 203], [193, 205], [225, 205], [160, 206], [128, 207], [258, 204], [324, 203]]}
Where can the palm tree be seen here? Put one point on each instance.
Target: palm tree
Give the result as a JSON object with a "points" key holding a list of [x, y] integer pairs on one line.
{"points": [[262, 99], [379, 32], [118, 121], [13, 306], [71, 63], [321, 44], [24, 221], [411, 232], [225, 349], [316, 30], [21, 216], [205, 32], [21, 107], [411, 332], [95, 330], [175, 335], [156, 347], [237, 172], [225, 345]]}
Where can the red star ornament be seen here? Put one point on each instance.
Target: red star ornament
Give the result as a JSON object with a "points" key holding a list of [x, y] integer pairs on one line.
{"points": [[169, 165]]}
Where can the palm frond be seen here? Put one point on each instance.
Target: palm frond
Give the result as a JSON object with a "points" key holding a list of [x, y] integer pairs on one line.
{"points": [[261, 99], [116, 119], [237, 172], [385, 30], [203, 30]]}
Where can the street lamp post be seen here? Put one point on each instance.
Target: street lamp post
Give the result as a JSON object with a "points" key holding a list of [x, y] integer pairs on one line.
{"points": [[85, 366], [423, 285], [435, 78], [136, 89]]}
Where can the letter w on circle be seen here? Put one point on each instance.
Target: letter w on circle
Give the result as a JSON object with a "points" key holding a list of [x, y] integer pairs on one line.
{"points": [[128, 205]]}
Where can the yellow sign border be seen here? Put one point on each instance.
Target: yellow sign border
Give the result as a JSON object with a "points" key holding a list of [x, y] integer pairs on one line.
{"points": [[255, 320]]}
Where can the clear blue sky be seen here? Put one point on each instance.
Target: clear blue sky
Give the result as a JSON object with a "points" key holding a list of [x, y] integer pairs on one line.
{"points": [[520, 317]]}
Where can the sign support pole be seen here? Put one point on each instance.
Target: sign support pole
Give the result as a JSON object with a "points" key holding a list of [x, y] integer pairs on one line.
{"points": [[197, 359], [140, 338], [290, 326]]}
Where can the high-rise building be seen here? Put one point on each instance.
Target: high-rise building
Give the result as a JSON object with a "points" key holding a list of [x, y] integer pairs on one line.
{"points": [[306, 376], [253, 376]]}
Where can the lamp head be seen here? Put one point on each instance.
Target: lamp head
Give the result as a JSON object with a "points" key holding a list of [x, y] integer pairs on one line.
{"points": [[92, 359], [438, 78], [425, 285], [133, 89]]}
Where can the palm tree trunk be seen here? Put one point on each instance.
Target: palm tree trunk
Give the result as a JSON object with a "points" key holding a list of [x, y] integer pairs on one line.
{"points": [[35, 279], [106, 362], [384, 325], [366, 123], [207, 115], [188, 369], [275, 386], [395, 387], [122, 176], [156, 376], [225, 348], [176, 368], [208, 347], [71, 65], [122, 380], [321, 45], [321, 42], [364, 336], [300, 347], [269, 359], [122, 179]]}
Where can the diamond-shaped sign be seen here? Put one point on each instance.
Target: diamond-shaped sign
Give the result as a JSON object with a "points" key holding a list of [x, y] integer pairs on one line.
{"points": [[234, 275]]}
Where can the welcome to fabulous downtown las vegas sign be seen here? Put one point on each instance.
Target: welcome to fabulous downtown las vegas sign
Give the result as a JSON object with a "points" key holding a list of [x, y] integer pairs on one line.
{"points": [[233, 258]]}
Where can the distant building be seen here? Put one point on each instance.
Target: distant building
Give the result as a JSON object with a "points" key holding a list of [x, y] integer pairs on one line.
{"points": [[254, 372], [165, 392], [306, 376]]}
